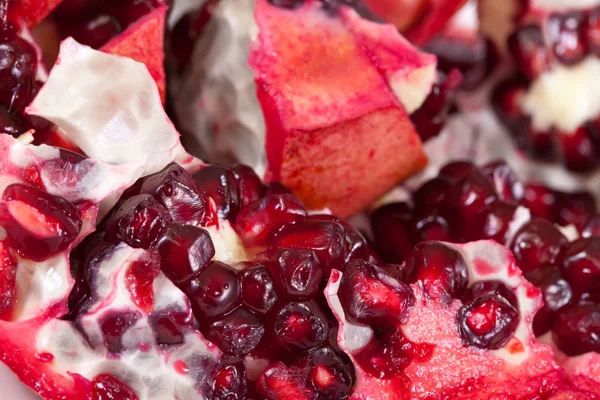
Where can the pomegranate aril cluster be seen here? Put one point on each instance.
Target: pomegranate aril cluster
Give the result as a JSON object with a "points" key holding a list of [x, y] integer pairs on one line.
{"points": [[568, 38]]}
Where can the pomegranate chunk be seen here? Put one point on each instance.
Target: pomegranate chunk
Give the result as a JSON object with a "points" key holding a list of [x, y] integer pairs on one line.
{"points": [[38, 224]]}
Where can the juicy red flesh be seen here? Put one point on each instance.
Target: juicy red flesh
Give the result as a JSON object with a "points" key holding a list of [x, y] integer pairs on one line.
{"points": [[185, 251], [577, 330], [8, 272], [139, 281], [438, 267], [370, 296], [489, 316], [538, 242], [39, 225], [238, 333], [107, 387], [140, 222]]}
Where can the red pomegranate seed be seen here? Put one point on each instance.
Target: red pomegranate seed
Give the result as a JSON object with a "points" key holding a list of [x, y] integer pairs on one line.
{"points": [[107, 387], [556, 293], [139, 281], [114, 326], [580, 152], [278, 382], [220, 184], [506, 100], [215, 291], [394, 232], [355, 243], [592, 31], [369, 295], [456, 170], [276, 188], [19, 64], [8, 272], [175, 189], [185, 250], [529, 51], [432, 227], [38, 224], [301, 326], [328, 375], [541, 201], [10, 123], [430, 195], [577, 329], [140, 222], [505, 180], [129, 11], [258, 289], [325, 238], [96, 31], [237, 333], [567, 37], [488, 319], [257, 222], [389, 353], [495, 221], [581, 266], [591, 227], [228, 380], [297, 274], [575, 208], [538, 242], [435, 264], [251, 188]]}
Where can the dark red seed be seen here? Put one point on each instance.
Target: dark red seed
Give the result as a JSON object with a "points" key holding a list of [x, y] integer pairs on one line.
{"points": [[297, 274], [505, 180], [591, 227], [580, 151], [107, 387], [567, 37], [575, 208], [356, 246], [432, 227], [456, 170], [556, 293], [220, 184], [325, 238], [580, 266], [169, 327], [541, 201], [176, 190], [577, 329], [430, 195], [507, 99], [592, 31], [370, 296], [251, 188], [185, 250], [139, 281], [96, 31], [529, 51], [301, 326], [276, 188], [129, 11], [257, 222], [278, 382], [258, 289], [441, 268], [328, 375], [228, 380], [114, 327], [19, 64], [10, 123], [394, 232], [38, 224], [140, 222], [215, 291], [237, 333], [494, 222], [538, 242], [488, 319]]}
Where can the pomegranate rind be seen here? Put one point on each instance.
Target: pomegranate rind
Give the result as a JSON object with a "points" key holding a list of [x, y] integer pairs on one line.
{"points": [[143, 41], [304, 121], [521, 368]]}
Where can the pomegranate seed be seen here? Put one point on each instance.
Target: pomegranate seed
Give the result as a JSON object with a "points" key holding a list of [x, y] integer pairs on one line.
{"points": [[389, 352], [10, 123], [592, 31], [257, 222], [228, 380], [185, 250], [140, 222], [220, 184], [541, 201], [507, 99], [278, 382], [129, 11], [435, 264], [580, 151], [327, 374], [567, 37], [396, 271], [139, 281], [465, 199], [556, 293], [432, 227], [488, 319], [95, 32], [8, 272], [591, 227], [430, 195], [237, 333], [529, 51], [215, 291], [251, 188], [494, 222], [22, 95], [297, 274], [369, 295], [325, 238], [19, 64], [114, 326], [76, 8], [258, 290], [107, 387], [394, 232], [575, 208], [356, 247], [581, 266], [175, 189], [505, 180], [456, 170], [276, 188], [38, 224], [301, 326], [537, 243], [577, 329], [540, 145]]}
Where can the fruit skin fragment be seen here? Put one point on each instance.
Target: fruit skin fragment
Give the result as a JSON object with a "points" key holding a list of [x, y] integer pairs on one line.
{"points": [[343, 100]]}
